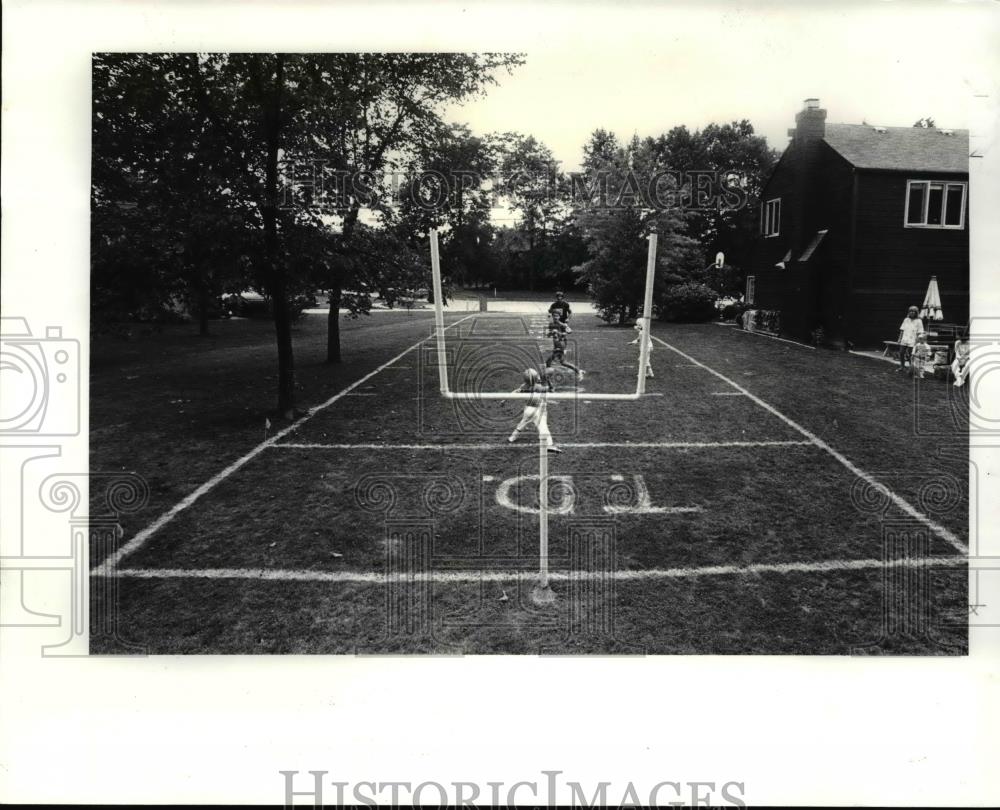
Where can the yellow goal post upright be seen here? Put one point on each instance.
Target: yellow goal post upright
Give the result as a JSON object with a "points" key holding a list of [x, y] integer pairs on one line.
{"points": [[542, 593]]}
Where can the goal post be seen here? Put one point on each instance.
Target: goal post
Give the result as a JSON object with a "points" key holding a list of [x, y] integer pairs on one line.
{"points": [[442, 354], [647, 314], [542, 594]]}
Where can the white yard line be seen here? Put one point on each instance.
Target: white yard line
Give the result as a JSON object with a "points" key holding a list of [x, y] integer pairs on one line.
{"points": [[879, 357], [775, 337], [374, 578], [142, 536], [507, 445], [898, 500]]}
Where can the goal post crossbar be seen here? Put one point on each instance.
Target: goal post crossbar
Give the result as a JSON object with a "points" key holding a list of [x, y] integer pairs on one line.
{"points": [[444, 385]]}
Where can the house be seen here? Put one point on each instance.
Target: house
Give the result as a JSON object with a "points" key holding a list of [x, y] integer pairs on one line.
{"points": [[854, 221]]}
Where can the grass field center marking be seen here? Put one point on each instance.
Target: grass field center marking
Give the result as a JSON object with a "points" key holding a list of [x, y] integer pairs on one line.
{"points": [[143, 535], [898, 500], [374, 578]]}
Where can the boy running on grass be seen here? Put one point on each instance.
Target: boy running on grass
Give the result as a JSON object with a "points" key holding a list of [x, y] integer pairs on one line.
{"points": [[559, 330], [560, 308]]}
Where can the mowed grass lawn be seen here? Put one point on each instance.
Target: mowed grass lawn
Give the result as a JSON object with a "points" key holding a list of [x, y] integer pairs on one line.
{"points": [[733, 510]]}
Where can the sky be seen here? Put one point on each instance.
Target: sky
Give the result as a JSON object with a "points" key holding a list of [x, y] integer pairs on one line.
{"points": [[646, 68]]}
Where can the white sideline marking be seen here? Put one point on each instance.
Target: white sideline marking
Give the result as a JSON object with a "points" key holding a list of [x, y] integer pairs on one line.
{"points": [[902, 503], [364, 577], [504, 445], [882, 358], [775, 337], [142, 536]]}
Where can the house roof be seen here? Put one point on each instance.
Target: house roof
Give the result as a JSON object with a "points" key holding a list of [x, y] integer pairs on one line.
{"points": [[901, 148]]}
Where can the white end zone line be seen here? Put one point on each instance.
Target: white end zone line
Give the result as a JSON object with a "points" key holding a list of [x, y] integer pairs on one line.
{"points": [[899, 501], [508, 445], [374, 578], [111, 562]]}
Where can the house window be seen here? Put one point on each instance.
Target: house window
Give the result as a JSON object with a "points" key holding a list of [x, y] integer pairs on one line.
{"points": [[770, 217], [931, 204], [751, 289]]}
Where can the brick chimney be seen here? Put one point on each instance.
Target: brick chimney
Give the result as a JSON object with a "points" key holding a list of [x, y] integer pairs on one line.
{"points": [[810, 122]]}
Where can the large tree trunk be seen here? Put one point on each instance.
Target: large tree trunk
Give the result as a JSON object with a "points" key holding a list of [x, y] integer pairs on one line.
{"points": [[286, 361], [333, 316], [333, 328], [275, 270], [203, 302]]}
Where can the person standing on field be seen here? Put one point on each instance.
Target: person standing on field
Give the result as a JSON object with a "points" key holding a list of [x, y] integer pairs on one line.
{"points": [[640, 328], [908, 331], [561, 308]]}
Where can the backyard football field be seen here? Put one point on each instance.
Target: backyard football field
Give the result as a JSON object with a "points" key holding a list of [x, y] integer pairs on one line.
{"points": [[762, 497]]}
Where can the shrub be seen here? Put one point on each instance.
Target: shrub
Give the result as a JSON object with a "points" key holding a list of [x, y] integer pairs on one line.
{"points": [[689, 302]]}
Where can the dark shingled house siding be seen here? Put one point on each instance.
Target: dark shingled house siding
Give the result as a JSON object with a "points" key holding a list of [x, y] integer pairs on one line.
{"points": [[893, 264]]}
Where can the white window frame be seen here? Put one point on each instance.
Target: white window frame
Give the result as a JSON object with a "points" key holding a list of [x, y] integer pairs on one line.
{"points": [[946, 184], [751, 292], [770, 225]]}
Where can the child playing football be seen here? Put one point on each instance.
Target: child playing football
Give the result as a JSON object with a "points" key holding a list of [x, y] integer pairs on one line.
{"points": [[535, 409], [558, 330], [639, 328]]}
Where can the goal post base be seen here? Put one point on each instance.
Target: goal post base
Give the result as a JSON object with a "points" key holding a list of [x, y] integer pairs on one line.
{"points": [[543, 595]]}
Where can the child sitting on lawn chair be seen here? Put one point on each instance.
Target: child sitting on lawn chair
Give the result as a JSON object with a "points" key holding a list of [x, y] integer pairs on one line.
{"points": [[960, 365]]}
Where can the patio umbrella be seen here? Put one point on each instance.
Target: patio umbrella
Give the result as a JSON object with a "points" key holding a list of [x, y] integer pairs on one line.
{"points": [[932, 302]]}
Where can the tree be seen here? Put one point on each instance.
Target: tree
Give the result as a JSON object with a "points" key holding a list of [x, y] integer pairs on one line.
{"points": [[531, 184], [372, 111], [201, 145], [738, 162], [158, 172], [448, 185], [615, 217]]}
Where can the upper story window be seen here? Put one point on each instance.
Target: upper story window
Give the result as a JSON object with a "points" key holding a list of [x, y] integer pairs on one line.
{"points": [[770, 217], [932, 204]]}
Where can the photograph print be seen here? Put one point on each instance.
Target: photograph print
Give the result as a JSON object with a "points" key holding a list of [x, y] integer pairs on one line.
{"points": [[530, 353]]}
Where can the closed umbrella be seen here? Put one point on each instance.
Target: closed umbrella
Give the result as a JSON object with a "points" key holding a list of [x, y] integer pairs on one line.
{"points": [[932, 302]]}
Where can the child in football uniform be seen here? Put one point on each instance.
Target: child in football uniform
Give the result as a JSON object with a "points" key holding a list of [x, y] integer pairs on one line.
{"points": [[639, 328], [535, 409], [558, 330]]}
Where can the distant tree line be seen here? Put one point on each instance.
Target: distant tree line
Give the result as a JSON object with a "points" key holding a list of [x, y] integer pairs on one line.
{"points": [[292, 174]]}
